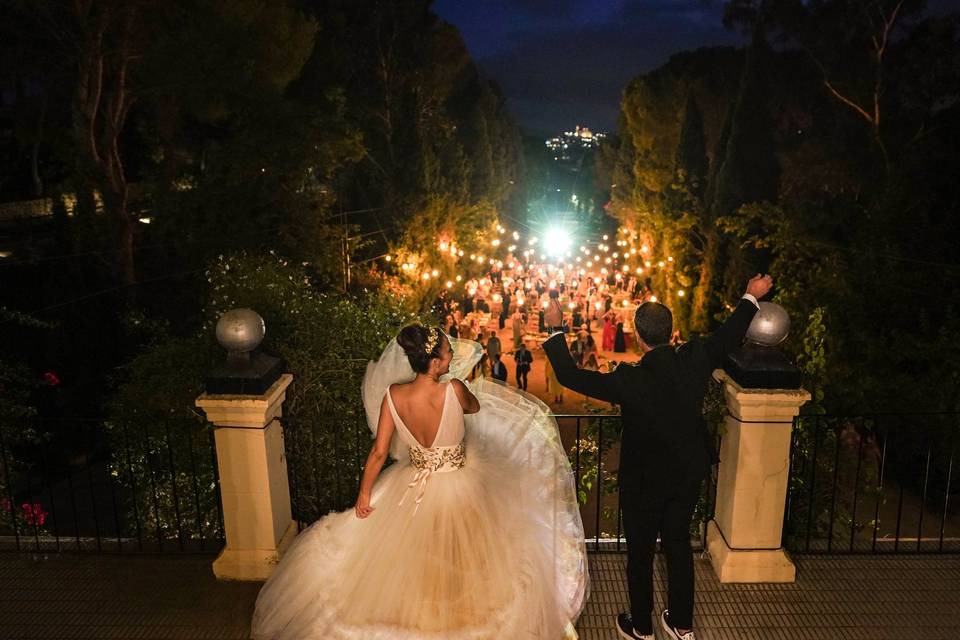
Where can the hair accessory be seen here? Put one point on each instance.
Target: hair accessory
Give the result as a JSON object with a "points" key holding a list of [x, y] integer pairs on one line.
{"points": [[432, 337]]}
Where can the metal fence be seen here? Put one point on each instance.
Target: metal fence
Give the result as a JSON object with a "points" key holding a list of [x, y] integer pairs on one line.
{"points": [[879, 483], [325, 461], [93, 485]]}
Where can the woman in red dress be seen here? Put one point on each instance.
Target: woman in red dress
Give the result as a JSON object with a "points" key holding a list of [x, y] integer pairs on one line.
{"points": [[609, 333]]}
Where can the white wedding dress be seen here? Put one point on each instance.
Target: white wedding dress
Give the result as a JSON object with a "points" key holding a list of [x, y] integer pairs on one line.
{"points": [[476, 537]]}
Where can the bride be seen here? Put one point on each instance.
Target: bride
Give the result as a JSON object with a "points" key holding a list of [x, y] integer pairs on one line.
{"points": [[473, 533]]}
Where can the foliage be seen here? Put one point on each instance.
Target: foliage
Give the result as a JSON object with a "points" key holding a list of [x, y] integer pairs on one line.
{"points": [[153, 416]]}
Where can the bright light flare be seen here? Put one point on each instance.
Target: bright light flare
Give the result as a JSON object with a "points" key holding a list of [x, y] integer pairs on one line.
{"points": [[557, 241]]}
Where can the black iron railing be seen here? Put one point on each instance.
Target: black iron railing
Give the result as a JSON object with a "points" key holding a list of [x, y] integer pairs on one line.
{"points": [[325, 464], [95, 485], [882, 483], [879, 483]]}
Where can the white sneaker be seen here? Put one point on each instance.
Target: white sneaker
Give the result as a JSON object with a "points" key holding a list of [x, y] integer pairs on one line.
{"points": [[671, 631], [625, 629]]}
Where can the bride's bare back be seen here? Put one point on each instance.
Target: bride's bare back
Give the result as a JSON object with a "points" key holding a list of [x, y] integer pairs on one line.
{"points": [[420, 407]]}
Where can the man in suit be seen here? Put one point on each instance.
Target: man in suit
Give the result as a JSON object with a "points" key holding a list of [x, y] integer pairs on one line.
{"points": [[523, 358], [497, 369], [666, 450]]}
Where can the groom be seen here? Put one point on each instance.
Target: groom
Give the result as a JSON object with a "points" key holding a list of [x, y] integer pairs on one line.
{"points": [[666, 450]]}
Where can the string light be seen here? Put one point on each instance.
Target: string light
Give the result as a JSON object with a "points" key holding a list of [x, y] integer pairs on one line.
{"points": [[681, 293]]}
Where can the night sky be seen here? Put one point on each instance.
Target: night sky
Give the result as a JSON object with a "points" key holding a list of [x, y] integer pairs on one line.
{"points": [[565, 62]]}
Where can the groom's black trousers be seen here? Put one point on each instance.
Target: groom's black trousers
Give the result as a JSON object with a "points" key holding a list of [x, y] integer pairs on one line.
{"points": [[648, 511]]}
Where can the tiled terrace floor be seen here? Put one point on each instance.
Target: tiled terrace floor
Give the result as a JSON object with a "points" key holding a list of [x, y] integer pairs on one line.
{"points": [[177, 597]]}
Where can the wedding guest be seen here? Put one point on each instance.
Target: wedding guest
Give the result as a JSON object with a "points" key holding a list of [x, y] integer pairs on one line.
{"points": [[553, 314], [517, 320], [478, 368], [619, 340], [590, 362], [554, 389], [493, 345], [498, 370], [504, 307], [451, 327], [609, 333], [577, 348], [577, 315], [589, 347], [523, 359]]}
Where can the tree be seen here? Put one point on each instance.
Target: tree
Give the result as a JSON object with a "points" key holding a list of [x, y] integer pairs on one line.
{"points": [[849, 42], [691, 158]]}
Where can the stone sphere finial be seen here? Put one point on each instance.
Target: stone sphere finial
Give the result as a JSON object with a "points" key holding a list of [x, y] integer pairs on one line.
{"points": [[770, 326], [240, 330]]}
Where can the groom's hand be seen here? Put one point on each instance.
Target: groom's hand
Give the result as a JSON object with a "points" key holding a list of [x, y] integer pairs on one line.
{"points": [[759, 285]]}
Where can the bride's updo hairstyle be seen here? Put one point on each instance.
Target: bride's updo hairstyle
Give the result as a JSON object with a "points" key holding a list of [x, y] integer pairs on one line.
{"points": [[413, 339]]}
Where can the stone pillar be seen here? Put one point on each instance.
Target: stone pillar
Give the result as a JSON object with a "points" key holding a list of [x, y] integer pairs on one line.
{"points": [[253, 480], [744, 538]]}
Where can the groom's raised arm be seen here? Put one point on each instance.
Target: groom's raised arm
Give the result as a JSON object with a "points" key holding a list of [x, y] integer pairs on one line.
{"points": [[729, 336], [603, 386]]}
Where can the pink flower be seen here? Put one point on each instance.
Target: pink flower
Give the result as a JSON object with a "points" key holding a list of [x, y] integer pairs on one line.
{"points": [[34, 515], [51, 378]]}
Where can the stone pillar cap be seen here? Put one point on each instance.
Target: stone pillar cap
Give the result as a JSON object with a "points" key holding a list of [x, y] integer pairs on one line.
{"points": [[247, 411], [760, 405]]}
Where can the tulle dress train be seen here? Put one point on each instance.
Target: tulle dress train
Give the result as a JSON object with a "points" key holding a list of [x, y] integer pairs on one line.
{"points": [[476, 537]]}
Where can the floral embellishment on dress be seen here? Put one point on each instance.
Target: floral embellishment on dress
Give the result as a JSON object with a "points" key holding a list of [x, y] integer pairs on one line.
{"points": [[428, 460], [437, 458]]}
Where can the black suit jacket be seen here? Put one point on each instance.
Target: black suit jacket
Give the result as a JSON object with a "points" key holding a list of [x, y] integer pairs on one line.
{"points": [[665, 441]]}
